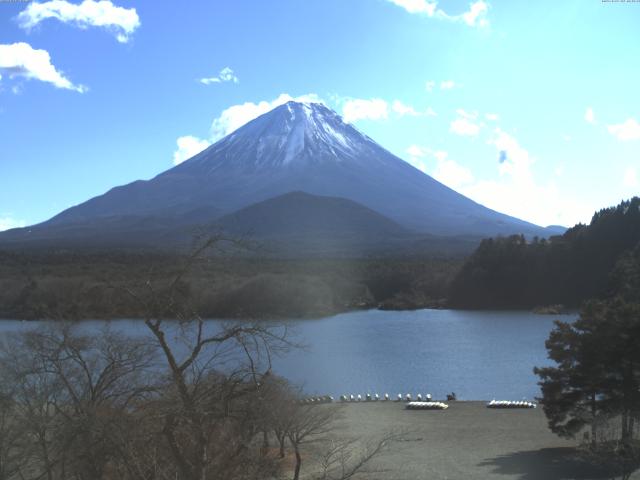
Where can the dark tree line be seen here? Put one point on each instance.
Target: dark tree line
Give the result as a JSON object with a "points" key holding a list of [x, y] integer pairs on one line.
{"points": [[57, 284], [513, 272]]}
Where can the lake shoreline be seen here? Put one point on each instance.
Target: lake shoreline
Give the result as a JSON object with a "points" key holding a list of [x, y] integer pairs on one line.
{"points": [[313, 316], [477, 354]]}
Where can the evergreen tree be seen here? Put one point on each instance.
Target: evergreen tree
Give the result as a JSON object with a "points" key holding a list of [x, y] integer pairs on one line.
{"points": [[573, 391], [597, 376]]}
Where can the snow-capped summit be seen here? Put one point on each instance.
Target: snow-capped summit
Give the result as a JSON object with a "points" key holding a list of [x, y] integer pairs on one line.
{"points": [[296, 147], [294, 134]]}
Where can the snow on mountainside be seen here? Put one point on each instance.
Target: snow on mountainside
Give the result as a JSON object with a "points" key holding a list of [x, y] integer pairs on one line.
{"points": [[299, 134], [303, 147]]}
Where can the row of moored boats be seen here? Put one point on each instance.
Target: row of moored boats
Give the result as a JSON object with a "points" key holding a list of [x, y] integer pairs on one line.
{"points": [[420, 402]]}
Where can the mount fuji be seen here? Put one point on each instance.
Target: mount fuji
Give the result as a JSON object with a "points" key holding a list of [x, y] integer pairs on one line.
{"points": [[296, 147]]}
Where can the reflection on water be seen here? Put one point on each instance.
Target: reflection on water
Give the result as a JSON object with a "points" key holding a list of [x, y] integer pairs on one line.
{"points": [[478, 355]]}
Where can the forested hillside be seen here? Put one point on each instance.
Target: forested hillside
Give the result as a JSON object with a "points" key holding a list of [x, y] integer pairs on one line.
{"points": [[77, 286], [512, 272]]}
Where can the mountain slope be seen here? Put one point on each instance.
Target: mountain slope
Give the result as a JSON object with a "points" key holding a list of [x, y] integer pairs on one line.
{"points": [[301, 214], [295, 147], [301, 224]]}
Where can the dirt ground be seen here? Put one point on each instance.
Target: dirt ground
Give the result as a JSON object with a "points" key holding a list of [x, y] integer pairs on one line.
{"points": [[467, 441]]}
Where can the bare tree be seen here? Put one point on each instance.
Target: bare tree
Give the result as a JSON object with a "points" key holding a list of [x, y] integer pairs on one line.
{"points": [[308, 424], [12, 458], [347, 458], [73, 392], [214, 373]]}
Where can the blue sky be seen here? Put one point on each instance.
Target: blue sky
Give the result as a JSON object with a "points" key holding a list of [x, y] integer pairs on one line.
{"points": [[531, 108]]}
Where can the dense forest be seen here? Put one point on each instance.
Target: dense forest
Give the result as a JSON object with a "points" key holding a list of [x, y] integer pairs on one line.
{"points": [[77, 286], [585, 262], [588, 261]]}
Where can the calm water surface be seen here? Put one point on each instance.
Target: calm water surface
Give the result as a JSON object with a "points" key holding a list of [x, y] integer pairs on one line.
{"points": [[478, 355]]}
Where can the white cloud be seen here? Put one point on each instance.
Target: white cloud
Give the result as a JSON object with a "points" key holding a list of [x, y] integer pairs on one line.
{"points": [[515, 191], [8, 222], [358, 109], [236, 116], [225, 75], [21, 60], [476, 16], [417, 6], [418, 151], [629, 130], [417, 157], [463, 126], [630, 178], [451, 173], [467, 115], [492, 117], [513, 160], [121, 21], [446, 170], [444, 85], [402, 109], [188, 146], [589, 116], [542, 204]]}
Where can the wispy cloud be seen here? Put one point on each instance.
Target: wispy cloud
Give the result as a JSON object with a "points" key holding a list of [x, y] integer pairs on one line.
{"points": [[431, 85], [464, 126], [403, 109], [188, 146], [630, 177], [590, 116], [225, 75], [515, 191], [417, 6], [626, 131], [468, 115], [447, 84], [355, 109], [445, 170], [7, 222], [21, 60], [475, 16], [122, 22]]}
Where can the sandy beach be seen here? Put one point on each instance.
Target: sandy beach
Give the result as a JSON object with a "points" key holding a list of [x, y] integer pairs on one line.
{"points": [[466, 441]]}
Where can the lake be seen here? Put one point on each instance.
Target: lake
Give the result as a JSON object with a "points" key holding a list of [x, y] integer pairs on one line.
{"points": [[479, 355]]}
